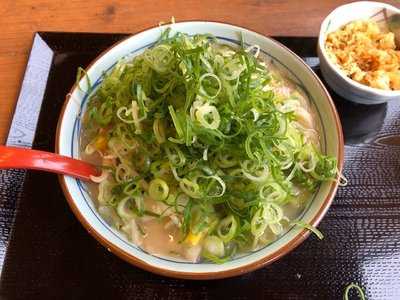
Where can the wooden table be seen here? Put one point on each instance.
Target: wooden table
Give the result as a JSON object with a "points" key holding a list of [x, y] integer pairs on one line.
{"points": [[19, 19]]}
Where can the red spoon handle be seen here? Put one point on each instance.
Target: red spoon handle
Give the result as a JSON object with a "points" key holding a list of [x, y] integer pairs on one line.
{"points": [[20, 158]]}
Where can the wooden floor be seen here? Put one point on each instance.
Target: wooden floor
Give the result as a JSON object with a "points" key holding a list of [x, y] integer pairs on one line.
{"points": [[20, 19]]}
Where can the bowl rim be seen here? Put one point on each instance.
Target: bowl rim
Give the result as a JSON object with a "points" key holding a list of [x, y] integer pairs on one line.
{"points": [[288, 247], [334, 67]]}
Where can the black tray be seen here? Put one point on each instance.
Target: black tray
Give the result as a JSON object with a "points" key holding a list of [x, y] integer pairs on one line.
{"points": [[51, 256]]}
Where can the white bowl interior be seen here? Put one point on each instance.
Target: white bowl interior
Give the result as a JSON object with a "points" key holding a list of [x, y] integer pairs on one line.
{"points": [[345, 14], [70, 127]]}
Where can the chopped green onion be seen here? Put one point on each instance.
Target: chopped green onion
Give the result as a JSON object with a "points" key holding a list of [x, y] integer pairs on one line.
{"points": [[227, 228], [123, 209], [82, 73], [190, 188], [309, 227], [158, 189], [258, 223], [359, 290], [207, 89], [158, 129], [208, 116]]}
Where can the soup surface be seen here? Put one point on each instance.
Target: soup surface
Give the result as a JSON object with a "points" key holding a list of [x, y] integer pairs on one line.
{"points": [[207, 151]]}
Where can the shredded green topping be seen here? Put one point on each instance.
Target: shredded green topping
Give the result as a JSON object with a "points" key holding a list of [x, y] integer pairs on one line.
{"points": [[310, 228], [208, 137], [356, 287]]}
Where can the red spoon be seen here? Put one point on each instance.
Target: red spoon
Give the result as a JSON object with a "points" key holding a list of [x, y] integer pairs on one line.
{"points": [[21, 158]]}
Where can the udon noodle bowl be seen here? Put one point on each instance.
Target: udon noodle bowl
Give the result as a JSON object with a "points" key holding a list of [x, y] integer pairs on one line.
{"points": [[208, 151]]}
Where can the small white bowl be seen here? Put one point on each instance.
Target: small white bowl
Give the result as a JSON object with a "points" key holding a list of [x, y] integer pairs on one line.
{"points": [[334, 76], [67, 143]]}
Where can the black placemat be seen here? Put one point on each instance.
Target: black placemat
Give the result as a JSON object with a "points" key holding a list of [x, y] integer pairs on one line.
{"points": [[51, 256]]}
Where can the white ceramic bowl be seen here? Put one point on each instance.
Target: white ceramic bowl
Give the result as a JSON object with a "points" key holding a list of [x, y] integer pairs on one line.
{"points": [[68, 144], [337, 80]]}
